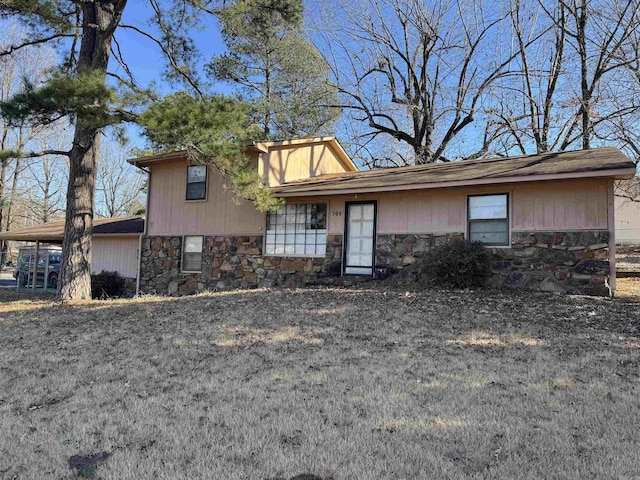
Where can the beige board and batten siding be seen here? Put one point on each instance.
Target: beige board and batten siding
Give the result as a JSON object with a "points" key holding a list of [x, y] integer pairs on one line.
{"points": [[551, 205], [536, 206], [115, 254], [284, 164], [221, 212], [627, 221]]}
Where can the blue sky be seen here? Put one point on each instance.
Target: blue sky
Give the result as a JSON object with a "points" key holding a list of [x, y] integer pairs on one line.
{"points": [[146, 60], [144, 56]]}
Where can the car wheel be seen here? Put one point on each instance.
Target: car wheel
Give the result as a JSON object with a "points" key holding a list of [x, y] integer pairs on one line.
{"points": [[53, 280], [22, 279]]}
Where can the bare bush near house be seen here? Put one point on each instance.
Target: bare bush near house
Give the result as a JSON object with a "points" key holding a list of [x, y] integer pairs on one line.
{"points": [[456, 264]]}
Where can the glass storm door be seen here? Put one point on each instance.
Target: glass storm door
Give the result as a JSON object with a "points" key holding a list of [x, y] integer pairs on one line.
{"points": [[360, 238]]}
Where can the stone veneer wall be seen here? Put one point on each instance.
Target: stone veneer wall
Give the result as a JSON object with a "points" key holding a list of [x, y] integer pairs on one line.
{"points": [[230, 262], [555, 261], [551, 261], [396, 251]]}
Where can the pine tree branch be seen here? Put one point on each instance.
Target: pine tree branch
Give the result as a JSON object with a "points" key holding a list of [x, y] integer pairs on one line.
{"points": [[43, 153], [169, 55], [38, 41]]}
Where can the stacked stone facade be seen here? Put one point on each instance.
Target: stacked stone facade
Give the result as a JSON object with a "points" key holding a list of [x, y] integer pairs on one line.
{"points": [[230, 262], [555, 261], [399, 250], [552, 261]]}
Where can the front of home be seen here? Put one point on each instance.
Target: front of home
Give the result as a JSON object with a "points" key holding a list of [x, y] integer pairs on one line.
{"points": [[548, 219]]}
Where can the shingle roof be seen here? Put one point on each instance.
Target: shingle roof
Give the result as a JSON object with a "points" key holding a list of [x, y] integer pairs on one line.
{"points": [[54, 231], [600, 162]]}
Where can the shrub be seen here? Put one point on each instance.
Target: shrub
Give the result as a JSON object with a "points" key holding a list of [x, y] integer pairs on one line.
{"points": [[456, 264], [107, 285]]}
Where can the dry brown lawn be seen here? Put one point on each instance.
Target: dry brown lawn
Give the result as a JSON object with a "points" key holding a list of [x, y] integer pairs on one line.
{"points": [[343, 383]]}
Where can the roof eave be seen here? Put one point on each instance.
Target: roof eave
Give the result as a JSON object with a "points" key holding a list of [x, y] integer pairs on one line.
{"points": [[59, 238], [617, 174], [163, 157]]}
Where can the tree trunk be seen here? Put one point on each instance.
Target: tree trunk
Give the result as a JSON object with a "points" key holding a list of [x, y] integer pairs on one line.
{"points": [[581, 29], [99, 20]]}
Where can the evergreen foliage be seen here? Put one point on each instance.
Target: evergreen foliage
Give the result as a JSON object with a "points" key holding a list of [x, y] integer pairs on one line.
{"points": [[214, 130], [281, 74], [82, 97]]}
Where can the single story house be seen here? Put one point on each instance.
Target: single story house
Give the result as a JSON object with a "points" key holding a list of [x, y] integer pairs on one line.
{"points": [[548, 218], [116, 243]]}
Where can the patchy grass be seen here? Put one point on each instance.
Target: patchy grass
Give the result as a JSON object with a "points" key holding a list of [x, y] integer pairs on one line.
{"points": [[628, 289], [353, 384]]}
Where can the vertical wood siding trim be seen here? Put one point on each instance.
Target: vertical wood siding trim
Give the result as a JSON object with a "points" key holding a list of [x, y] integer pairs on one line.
{"points": [[612, 237], [221, 213], [116, 255]]}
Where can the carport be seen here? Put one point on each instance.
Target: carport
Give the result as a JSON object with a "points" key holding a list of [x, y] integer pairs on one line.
{"points": [[116, 246]]}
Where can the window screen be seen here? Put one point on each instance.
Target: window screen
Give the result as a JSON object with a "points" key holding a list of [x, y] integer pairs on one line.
{"points": [[297, 230], [192, 254], [196, 182], [488, 219]]}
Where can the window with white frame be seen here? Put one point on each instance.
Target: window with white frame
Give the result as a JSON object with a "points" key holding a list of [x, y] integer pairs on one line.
{"points": [[299, 229], [192, 253], [488, 219], [196, 182]]}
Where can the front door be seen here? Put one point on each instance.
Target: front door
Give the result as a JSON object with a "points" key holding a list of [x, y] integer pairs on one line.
{"points": [[360, 237]]}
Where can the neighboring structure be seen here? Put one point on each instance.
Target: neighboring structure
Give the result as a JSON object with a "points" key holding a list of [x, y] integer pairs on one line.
{"points": [[628, 212], [549, 219], [116, 243]]}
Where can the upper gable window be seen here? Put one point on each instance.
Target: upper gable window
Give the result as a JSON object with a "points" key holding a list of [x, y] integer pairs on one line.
{"points": [[488, 219], [196, 182]]}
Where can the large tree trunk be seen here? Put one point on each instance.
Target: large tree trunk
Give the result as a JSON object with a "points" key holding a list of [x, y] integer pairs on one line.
{"points": [[99, 19]]}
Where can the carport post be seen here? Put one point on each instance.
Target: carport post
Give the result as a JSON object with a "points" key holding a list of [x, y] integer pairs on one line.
{"points": [[35, 266]]}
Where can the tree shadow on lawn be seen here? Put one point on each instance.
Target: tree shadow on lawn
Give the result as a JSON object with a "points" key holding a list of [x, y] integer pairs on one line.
{"points": [[351, 383]]}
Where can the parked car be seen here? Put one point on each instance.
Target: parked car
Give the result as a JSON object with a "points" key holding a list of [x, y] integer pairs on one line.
{"points": [[24, 267]]}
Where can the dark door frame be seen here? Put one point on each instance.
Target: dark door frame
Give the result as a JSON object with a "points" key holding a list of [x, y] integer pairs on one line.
{"points": [[346, 235]]}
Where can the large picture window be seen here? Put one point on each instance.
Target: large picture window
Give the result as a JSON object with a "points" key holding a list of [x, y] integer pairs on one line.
{"points": [[192, 253], [299, 229], [488, 219], [196, 182]]}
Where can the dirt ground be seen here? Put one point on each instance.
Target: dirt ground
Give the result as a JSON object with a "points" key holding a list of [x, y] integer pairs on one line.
{"points": [[340, 383]]}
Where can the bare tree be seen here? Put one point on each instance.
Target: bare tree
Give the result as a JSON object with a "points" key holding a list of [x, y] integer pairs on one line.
{"points": [[629, 190], [119, 187], [418, 72], [576, 83], [31, 64], [46, 184]]}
